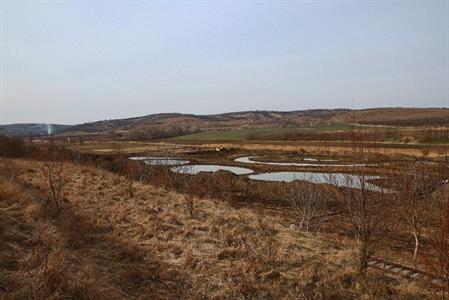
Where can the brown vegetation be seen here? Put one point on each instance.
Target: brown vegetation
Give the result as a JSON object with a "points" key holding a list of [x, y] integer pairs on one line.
{"points": [[11, 147], [74, 230], [437, 259], [105, 244]]}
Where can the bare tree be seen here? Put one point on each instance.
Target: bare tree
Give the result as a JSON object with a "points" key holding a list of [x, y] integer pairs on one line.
{"points": [[414, 187], [307, 201], [365, 208]]}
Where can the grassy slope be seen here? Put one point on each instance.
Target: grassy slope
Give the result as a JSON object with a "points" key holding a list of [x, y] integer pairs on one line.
{"points": [[104, 244], [393, 115]]}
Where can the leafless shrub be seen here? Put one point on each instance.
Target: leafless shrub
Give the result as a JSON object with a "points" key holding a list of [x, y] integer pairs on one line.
{"points": [[76, 157], [190, 204], [129, 171], [8, 170], [12, 147], [145, 171], [56, 181], [307, 201], [187, 180], [269, 246]]}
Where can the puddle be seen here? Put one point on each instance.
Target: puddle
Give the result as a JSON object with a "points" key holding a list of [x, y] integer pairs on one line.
{"points": [[339, 179], [194, 169], [160, 161], [248, 160]]}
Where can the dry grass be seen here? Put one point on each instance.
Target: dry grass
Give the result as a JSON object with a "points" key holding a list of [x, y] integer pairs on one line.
{"points": [[104, 244], [319, 148]]}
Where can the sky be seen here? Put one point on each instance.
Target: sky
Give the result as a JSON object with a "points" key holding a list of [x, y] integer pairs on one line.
{"points": [[70, 62]]}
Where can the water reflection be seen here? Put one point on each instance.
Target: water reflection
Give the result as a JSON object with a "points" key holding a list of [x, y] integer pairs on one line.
{"points": [[338, 179]]}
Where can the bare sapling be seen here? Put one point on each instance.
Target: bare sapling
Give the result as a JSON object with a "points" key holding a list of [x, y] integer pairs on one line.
{"points": [[76, 157], [414, 188], [269, 245], [8, 170], [190, 205], [307, 202], [167, 167], [145, 170], [55, 180], [187, 180], [365, 209], [129, 171]]}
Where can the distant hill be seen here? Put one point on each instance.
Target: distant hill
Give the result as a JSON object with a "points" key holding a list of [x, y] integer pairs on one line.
{"points": [[396, 116], [174, 124], [234, 119], [32, 129]]}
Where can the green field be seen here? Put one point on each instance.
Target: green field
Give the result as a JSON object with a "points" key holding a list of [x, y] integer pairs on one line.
{"points": [[245, 133], [225, 134]]}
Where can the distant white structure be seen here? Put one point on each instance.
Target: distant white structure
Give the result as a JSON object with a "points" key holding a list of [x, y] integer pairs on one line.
{"points": [[49, 129]]}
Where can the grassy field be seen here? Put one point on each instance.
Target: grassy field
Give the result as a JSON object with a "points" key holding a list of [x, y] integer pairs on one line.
{"points": [[245, 133], [226, 134]]}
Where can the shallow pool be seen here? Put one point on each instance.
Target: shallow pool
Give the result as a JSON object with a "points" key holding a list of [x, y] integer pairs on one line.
{"points": [[160, 161], [249, 160], [338, 179], [194, 169]]}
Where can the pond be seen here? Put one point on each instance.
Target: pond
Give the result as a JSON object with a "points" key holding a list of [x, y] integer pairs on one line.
{"points": [[194, 169], [160, 161], [338, 179], [248, 160]]}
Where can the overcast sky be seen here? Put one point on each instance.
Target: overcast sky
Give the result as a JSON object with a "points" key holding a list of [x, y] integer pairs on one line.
{"points": [[70, 62]]}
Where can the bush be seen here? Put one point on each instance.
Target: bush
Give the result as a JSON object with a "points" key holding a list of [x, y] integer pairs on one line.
{"points": [[11, 147]]}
